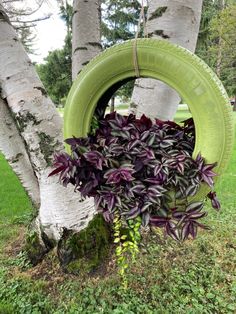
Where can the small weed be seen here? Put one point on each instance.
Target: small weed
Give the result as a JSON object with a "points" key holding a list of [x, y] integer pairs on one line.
{"points": [[21, 261], [23, 219]]}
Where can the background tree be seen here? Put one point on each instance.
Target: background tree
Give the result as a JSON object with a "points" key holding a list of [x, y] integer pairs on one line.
{"points": [[119, 20], [55, 72], [223, 26], [86, 29], [27, 36], [119, 23], [21, 17], [210, 9], [178, 22], [66, 12], [216, 41]]}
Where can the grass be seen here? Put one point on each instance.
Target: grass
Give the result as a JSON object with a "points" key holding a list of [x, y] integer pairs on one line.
{"points": [[195, 277], [13, 199], [15, 207], [182, 114]]}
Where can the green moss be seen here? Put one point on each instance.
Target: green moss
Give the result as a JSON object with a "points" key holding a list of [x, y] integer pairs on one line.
{"points": [[82, 265], [23, 121], [32, 247], [86, 250], [157, 13], [47, 146], [35, 248], [46, 142]]}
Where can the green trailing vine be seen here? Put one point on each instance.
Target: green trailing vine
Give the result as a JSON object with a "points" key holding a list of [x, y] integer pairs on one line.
{"points": [[134, 234], [127, 244]]}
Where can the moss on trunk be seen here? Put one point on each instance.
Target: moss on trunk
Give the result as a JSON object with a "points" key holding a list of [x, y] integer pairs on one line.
{"points": [[85, 251], [37, 246]]}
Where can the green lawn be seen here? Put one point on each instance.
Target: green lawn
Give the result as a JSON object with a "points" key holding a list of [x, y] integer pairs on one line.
{"points": [[195, 277], [15, 206], [13, 199], [182, 114]]}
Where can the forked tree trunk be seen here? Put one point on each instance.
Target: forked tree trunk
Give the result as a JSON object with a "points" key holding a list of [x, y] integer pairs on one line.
{"points": [[86, 31], [40, 128], [177, 21], [33, 122]]}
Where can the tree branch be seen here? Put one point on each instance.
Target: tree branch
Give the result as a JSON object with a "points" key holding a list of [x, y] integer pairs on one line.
{"points": [[22, 12], [32, 21], [24, 26]]}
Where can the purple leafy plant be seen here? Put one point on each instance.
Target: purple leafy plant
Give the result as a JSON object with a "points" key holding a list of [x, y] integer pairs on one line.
{"points": [[140, 168]]}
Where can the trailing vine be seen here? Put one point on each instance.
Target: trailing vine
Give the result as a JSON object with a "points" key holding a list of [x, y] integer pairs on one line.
{"points": [[127, 244], [140, 173]]}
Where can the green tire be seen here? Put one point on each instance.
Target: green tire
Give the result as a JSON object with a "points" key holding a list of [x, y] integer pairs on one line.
{"points": [[177, 67]]}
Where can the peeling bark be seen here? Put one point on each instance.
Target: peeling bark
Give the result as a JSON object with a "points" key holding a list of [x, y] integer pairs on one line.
{"points": [[177, 21], [86, 42]]}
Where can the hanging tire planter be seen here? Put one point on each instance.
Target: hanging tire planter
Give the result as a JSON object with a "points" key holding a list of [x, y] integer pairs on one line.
{"points": [[175, 66]]}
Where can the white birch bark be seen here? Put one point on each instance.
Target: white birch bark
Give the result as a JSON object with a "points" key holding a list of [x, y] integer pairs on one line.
{"points": [[86, 41], [177, 21], [13, 148], [41, 129]]}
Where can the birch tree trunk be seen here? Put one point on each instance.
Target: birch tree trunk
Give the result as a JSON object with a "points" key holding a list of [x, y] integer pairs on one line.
{"points": [[14, 150], [177, 21], [39, 127], [86, 42]]}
